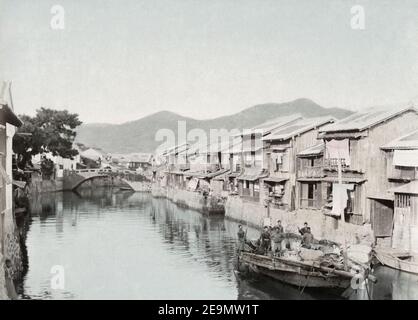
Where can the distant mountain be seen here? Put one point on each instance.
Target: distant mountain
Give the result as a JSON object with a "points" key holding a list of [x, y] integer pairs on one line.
{"points": [[139, 135]]}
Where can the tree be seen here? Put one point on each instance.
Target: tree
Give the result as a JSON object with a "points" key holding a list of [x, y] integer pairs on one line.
{"points": [[49, 131]]}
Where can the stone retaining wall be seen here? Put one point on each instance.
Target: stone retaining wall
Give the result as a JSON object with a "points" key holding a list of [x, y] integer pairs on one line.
{"points": [[189, 199], [323, 227], [41, 186], [12, 251], [3, 290]]}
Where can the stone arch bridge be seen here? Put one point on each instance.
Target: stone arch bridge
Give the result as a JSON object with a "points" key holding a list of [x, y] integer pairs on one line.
{"points": [[75, 178]]}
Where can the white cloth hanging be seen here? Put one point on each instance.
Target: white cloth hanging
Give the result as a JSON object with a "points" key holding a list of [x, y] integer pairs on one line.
{"points": [[340, 198], [338, 149]]}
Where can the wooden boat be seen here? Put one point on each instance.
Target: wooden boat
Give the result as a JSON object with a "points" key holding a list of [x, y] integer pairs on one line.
{"points": [[300, 273], [397, 259]]}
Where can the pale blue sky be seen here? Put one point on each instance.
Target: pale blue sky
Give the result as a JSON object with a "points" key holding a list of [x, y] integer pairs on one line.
{"points": [[120, 60]]}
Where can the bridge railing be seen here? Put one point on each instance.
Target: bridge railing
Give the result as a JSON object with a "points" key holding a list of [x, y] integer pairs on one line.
{"points": [[122, 173], [92, 171], [95, 171]]}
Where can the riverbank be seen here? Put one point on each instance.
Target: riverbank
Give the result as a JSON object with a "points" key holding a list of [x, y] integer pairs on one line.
{"points": [[254, 213]]}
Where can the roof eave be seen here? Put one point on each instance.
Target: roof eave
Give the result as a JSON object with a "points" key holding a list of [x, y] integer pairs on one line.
{"points": [[9, 116]]}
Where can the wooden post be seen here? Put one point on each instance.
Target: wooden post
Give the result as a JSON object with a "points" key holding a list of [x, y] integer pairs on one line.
{"points": [[344, 223]]}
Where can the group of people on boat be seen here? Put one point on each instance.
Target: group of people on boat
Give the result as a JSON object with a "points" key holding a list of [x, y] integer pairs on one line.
{"points": [[271, 238]]}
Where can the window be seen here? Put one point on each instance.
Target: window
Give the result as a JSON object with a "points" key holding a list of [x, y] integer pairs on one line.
{"points": [[256, 187], [311, 190], [403, 201], [277, 160], [309, 195]]}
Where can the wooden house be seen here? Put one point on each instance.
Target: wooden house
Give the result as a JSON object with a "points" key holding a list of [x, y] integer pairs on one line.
{"points": [[140, 160], [206, 166], [227, 183], [254, 166], [401, 225], [289, 185], [354, 144], [313, 193]]}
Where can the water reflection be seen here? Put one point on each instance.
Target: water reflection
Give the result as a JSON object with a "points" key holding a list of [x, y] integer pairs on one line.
{"points": [[124, 245]]}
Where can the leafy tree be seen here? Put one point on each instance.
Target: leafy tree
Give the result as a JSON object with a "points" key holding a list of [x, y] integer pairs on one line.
{"points": [[49, 131]]}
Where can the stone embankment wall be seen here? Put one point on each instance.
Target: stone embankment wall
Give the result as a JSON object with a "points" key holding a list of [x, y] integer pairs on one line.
{"points": [[11, 251], [191, 200], [323, 226], [41, 186], [3, 290]]}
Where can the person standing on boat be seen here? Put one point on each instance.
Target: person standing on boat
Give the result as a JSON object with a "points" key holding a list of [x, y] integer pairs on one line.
{"points": [[265, 240], [304, 229], [241, 238], [276, 237], [307, 239], [279, 227]]}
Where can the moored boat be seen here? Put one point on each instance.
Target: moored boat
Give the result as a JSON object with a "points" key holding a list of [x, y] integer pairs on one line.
{"points": [[397, 259], [324, 265], [299, 273]]}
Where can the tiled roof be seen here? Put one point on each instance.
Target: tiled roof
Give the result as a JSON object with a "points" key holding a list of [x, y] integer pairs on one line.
{"points": [[268, 126], [252, 174], [410, 188], [314, 150], [298, 127], [409, 141], [6, 112], [367, 118]]}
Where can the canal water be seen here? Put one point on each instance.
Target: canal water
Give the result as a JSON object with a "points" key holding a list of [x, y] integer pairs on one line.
{"points": [[110, 244]]}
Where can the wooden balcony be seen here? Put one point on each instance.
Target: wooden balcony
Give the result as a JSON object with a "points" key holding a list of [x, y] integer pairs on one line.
{"points": [[311, 172], [332, 165], [279, 174]]}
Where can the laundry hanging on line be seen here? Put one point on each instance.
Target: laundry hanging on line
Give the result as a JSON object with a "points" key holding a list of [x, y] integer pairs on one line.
{"points": [[338, 149]]}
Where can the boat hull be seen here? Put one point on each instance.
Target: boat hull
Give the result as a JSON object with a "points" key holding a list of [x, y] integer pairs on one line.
{"points": [[305, 281], [393, 260], [295, 273]]}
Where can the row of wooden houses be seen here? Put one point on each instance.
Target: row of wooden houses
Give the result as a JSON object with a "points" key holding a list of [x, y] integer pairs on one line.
{"points": [[361, 170]]}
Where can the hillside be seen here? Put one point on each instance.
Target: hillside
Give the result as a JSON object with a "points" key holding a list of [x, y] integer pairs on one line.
{"points": [[139, 135]]}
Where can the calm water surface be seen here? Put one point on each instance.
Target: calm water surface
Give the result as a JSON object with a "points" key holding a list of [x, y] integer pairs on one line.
{"points": [[123, 245]]}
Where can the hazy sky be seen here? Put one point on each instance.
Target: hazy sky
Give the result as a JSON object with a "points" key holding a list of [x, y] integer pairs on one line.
{"points": [[119, 60]]}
